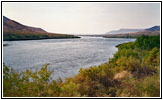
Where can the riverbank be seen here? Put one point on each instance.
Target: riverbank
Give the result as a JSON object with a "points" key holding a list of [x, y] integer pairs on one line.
{"points": [[134, 71], [5, 44], [18, 36], [73, 37]]}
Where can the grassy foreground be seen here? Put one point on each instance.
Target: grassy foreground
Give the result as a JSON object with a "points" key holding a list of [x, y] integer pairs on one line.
{"points": [[134, 71]]}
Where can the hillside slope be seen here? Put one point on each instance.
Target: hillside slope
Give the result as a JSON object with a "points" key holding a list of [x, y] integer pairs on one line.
{"points": [[11, 25], [13, 30]]}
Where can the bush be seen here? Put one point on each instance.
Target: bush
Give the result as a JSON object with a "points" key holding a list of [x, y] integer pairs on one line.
{"points": [[148, 42]]}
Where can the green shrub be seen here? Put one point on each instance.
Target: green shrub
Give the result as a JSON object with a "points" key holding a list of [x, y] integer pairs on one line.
{"points": [[148, 42]]}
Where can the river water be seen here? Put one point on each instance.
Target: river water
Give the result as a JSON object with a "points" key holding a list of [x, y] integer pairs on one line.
{"points": [[65, 56]]}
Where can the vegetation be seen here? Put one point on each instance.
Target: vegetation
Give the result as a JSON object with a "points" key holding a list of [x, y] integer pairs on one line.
{"points": [[19, 35], [134, 71], [132, 35]]}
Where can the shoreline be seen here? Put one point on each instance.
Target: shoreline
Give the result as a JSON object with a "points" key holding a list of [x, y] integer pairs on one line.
{"points": [[43, 38]]}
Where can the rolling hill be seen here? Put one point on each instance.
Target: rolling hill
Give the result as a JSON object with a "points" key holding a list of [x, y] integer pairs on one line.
{"points": [[13, 30], [121, 31], [155, 30]]}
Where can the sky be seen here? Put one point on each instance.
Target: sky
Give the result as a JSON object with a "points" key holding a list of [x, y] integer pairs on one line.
{"points": [[83, 17]]}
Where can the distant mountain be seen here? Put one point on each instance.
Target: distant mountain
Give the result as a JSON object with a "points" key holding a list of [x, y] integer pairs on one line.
{"points": [[120, 31], [155, 30], [13, 30]]}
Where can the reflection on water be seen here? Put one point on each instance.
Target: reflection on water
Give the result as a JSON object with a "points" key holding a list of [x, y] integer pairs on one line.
{"points": [[66, 56]]}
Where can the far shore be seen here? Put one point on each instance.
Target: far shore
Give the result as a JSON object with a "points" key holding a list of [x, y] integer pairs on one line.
{"points": [[43, 38]]}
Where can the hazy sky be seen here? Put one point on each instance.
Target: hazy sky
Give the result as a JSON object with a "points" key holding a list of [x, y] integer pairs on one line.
{"points": [[83, 17]]}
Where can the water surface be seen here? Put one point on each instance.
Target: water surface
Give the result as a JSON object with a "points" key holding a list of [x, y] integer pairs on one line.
{"points": [[65, 56]]}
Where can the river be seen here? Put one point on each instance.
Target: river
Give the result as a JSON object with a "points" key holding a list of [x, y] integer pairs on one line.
{"points": [[65, 56]]}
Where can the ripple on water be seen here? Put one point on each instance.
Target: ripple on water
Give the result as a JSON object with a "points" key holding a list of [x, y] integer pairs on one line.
{"points": [[66, 56]]}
